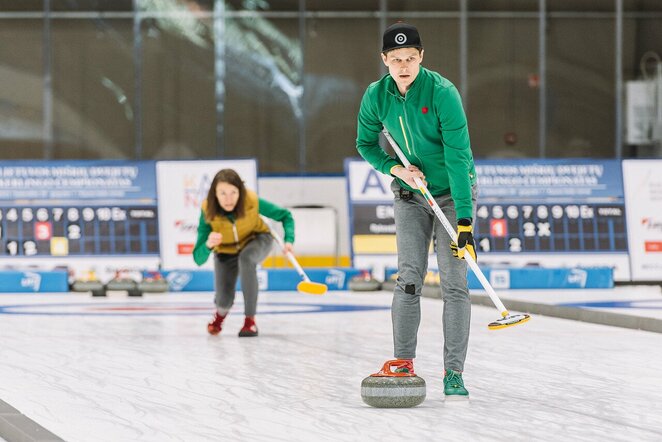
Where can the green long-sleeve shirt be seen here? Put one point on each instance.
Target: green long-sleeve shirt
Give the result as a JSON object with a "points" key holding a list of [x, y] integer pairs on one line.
{"points": [[436, 130]]}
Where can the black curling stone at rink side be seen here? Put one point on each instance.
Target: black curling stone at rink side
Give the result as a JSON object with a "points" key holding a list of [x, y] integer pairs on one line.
{"points": [[393, 392]]}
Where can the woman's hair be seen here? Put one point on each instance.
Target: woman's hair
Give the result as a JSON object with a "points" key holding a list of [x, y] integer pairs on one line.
{"points": [[213, 207]]}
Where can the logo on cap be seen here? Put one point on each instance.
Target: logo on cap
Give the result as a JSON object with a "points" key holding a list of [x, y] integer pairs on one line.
{"points": [[400, 38]]}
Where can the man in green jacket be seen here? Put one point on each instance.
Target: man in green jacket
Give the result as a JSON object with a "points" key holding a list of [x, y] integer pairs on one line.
{"points": [[423, 113]]}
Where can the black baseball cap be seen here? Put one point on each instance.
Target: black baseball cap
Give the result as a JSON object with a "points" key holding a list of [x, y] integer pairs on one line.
{"points": [[401, 35]]}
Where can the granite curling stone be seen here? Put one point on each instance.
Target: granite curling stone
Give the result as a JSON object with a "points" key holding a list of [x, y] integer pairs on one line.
{"points": [[387, 389], [364, 282]]}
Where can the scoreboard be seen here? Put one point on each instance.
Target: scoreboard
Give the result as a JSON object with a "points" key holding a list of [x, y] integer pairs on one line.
{"points": [[546, 213], [78, 230], [564, 206], [551, 228], [78, 208]]}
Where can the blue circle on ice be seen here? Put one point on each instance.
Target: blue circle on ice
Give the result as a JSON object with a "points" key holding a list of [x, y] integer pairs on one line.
{"points": [[173, 308]]}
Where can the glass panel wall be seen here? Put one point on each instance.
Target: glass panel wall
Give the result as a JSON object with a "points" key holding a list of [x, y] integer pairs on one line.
{"points": [[263, 86], [93, 88], [90, 5], [581, 112], [643, 47], [21, 89], [9, 6], [503, 83], [281, 80], [441, 41], [425, 6], [177, 84], [339, 67]]}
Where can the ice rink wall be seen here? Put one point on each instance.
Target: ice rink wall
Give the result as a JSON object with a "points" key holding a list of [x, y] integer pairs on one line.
{"points": [[63, 219]]}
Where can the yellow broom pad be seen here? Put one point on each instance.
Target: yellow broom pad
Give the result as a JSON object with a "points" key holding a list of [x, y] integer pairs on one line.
{"points": [[312, 288]]}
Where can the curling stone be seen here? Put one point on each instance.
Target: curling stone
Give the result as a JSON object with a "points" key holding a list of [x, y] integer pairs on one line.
{"points": [[389, 284], [153, 283], [364, 282], [431, 285], [387, 389], [89, 283], [432, 279], [95, 286], [120, 283]]}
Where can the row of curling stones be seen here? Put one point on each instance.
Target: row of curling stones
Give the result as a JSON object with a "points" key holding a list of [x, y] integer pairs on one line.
{"points": [[388, 389]]}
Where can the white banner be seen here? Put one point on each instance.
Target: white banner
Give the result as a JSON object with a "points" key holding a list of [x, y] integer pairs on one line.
{"points": [[181, 187], [366, 184], [642, 180]]}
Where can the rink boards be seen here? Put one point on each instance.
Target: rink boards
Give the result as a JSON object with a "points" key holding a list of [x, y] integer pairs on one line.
{"points": [[533, 278], [33, 281]]}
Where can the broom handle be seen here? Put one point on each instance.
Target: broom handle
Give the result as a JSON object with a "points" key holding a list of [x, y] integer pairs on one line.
{"points": [[290, 256], [449, 228]]}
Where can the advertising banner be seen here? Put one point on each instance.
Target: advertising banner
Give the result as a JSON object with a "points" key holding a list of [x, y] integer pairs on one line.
{"points": [[34, 281], [78, 208], [182, 186], [547, 213], [643, 198], [557, 206], [527, 278], [372, 224], [268, 279]]}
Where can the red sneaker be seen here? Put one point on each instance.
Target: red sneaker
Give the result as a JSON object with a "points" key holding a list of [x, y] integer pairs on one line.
{"points": [[215, 326], [249, 328]]}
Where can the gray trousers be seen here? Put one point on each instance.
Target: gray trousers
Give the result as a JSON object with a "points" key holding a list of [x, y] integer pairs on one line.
{"points": [[227, 267], [415, 224]]}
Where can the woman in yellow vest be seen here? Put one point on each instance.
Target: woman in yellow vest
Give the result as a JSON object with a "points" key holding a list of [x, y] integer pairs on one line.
{"points": [[231, 227]]}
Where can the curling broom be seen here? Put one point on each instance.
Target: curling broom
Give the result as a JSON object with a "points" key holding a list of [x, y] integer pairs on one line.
{"points": [[506, 320], [305, 286]]}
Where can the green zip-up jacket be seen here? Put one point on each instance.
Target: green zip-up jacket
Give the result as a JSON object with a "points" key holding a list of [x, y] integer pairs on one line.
{"points": [[243, 228], [435, 127]]}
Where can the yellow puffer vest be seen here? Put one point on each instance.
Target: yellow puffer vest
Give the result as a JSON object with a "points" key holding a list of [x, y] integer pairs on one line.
{"points": [[235, 236]]}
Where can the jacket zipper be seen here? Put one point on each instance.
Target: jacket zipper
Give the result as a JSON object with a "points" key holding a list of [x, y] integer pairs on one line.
{"points": [[411, 151]]}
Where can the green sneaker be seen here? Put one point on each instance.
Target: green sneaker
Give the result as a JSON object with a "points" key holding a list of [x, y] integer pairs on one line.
{"points": [[454, 385]]}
